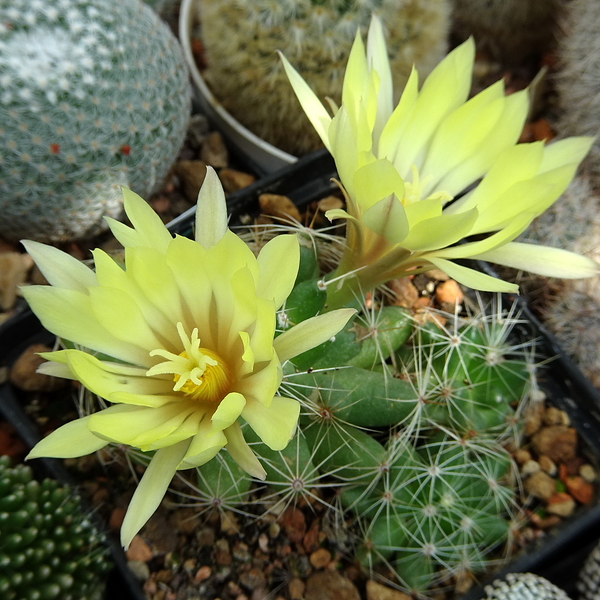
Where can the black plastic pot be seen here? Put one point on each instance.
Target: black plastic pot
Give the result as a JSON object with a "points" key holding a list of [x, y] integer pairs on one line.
{"points": [[560, 555], [16, 335]]}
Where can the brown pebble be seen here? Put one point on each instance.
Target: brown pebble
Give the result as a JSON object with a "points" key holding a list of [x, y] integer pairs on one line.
{"points": [[588, 473], [253, 579], [533, 418], [191, 174], [547, 465], [557, 442], [580, 489], [521, 456], [540, 485], [222, 553], [296, 589], [330, 203], [263, 542], [545, 523], [23, 373], [233, 180], [405, 293], [116, 518], [311, 538], [203, 573], [529, 468], [449, 292], [561, 504], [205, 537], [552, 416], [13, 273], [330, 585], [438, 275], [274, 205], [229, 524], [214, 152], [320, 558], [139, 550], [293, 523], [376, 591]]}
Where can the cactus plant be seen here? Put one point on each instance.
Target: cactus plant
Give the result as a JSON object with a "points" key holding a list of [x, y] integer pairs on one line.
{"points": [[241, 39], [48, 548], [577, 80], [511, 31], [524, 586], [409, 422], [94, 95]]}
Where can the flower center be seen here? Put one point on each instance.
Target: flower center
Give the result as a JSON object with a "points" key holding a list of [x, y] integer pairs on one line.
{"points": [[198, 372]]}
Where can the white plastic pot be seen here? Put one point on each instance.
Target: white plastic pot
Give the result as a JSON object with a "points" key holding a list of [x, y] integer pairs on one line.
{"points": [[265, 156]]}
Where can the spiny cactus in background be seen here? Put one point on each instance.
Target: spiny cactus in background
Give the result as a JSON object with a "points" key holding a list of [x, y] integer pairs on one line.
{"points": [[95, 95], [48, 549], [524, 586], [588, 582], [578, 79], [510, 31], [241, 38], [409, 421], [570, 310]]}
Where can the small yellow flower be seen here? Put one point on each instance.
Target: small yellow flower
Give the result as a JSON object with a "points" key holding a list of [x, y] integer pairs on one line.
{"points": [[403, 170], [185, 334]]}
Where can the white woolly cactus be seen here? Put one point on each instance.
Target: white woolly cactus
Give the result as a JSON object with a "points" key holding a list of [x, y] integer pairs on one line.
{"points": [[578, 81], [94, 95], [524, 586], [241, 38]]}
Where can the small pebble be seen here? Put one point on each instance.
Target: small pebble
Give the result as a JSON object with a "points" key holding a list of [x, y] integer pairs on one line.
{"points": [[449, 292], [552, 416], [522, 456], [376, 591], [140, 569], [329, 203], [320, 558], [214, 152], [296, 589], [24, 375], [529, 468], [203, 573], [233, 180], [561, 504], [580, 489], [588, 473], [138, 550], [540, 485], [222, 553], [557, 442], [547, 465], [229, 524], [274, 205]]}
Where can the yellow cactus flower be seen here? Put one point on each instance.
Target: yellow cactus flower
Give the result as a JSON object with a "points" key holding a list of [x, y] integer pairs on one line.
{"points": [[180, 342], [403, 170]]}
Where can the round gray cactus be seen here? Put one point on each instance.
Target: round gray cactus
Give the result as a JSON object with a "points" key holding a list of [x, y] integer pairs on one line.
{"points": [[524, 586], [94, 95]]}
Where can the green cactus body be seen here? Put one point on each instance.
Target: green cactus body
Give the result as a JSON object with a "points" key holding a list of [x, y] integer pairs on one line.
{"points": [[241, 39], [94, 95], [48, 549]]}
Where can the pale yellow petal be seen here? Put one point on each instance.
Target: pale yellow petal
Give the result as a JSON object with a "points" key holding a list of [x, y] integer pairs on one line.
{"points": [[68, 441], [121, 316], [278, 262], [473, 279], [311, 333], [315, 111], [59, 268], [568, 151], [387, 218], [151, 490], [542, 260], [229, 409], [241, 452], [68, 314], [263, 383], [275, 425], [204, 446], [376, 181], [211, 211]]}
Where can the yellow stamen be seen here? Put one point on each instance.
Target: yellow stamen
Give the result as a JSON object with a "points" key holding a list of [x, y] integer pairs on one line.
{"points": [[198, 372]]}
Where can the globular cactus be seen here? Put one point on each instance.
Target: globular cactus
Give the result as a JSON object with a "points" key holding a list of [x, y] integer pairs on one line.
{"points": [[408, 420], [95, 95], [524, 586], [578, 78], [48, 548], [241, 38], [510, 31], [588, 582]]}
